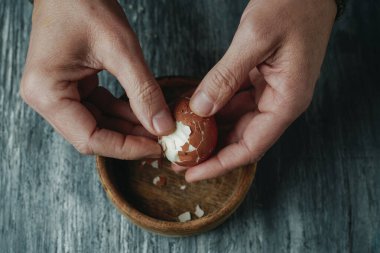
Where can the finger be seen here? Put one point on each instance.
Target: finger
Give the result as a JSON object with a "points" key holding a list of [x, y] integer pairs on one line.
{"points": [[176, 168], [226, 77], [240, 104], [80, 128], [188, 93], [262, 131], [127, 147], [174, 101], [237, 133], [125, 127], [258, 81], [125, 60], [98, 115], [107, 103], [253, 137], [235, 155], [59, 103], [117, 124], [246, 84], [87, 85]]}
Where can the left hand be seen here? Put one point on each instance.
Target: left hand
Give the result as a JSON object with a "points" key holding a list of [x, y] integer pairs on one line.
{"points": [[279, 47], [71, 41]]}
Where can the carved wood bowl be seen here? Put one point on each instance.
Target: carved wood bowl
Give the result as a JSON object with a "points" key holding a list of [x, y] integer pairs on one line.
{"points": [[156, 207]]}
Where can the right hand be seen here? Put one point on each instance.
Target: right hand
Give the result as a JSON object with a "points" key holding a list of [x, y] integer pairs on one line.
{"points": [[71, 41]]}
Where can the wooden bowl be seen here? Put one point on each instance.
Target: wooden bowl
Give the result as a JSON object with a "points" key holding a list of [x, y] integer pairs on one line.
{"points": [[129, 185]]}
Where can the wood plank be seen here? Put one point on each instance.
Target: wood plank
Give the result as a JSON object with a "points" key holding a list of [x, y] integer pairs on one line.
{"points": [[316, 190]]}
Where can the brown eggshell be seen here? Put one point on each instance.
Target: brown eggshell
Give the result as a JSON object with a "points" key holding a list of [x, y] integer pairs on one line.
{"points": [[161, 181], [203, 135]]}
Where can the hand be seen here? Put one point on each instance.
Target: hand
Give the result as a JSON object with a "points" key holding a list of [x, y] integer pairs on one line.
{"points": [[71, 41], [277, 50]]}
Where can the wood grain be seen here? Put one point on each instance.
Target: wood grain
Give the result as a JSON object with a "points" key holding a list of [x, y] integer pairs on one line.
{"points": [[317, 189], [155, 206]]}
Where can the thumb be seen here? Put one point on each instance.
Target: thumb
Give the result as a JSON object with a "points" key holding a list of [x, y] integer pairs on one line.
{"points": [[226, 77], [144, 93]]}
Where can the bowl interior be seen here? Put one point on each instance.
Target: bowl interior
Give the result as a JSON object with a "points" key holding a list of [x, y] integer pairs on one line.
{"points": [[133, 181]]}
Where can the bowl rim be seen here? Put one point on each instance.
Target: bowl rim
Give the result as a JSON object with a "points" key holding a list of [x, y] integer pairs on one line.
{"points": [[175, 228]]}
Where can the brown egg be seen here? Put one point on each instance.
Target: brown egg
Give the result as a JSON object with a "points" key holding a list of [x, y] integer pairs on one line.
{"points": [[194, 138]]}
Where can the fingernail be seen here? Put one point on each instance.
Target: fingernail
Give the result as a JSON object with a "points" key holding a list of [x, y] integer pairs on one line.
{"points": [[163, 122], [201, 104]]}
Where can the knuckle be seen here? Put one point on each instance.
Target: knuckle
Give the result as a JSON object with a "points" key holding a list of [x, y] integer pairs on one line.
{"points": [[126, 150], [246, 147], [117, 45], [254, 29], [223, 83], [84, 149], [28, 87], [146, 92], [253, 154], [259, 33], [35, 93], [85, 145]]}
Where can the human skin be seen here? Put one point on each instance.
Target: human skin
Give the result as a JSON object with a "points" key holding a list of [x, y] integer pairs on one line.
{"points": [[71, 41], [266, 77], [264, 81]]}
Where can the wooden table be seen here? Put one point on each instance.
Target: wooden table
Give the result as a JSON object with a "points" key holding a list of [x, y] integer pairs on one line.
{"points": [[317, 189]]}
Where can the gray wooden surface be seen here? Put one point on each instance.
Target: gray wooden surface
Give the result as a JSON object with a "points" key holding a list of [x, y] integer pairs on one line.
{"points": [[317, 189]]}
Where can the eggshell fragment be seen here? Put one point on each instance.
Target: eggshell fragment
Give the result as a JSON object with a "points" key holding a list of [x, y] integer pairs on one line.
{"points": [[156, 180], [194, 139], [154, 164], [186, 216], [199, 212], [159, 181], [151, 163]]}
